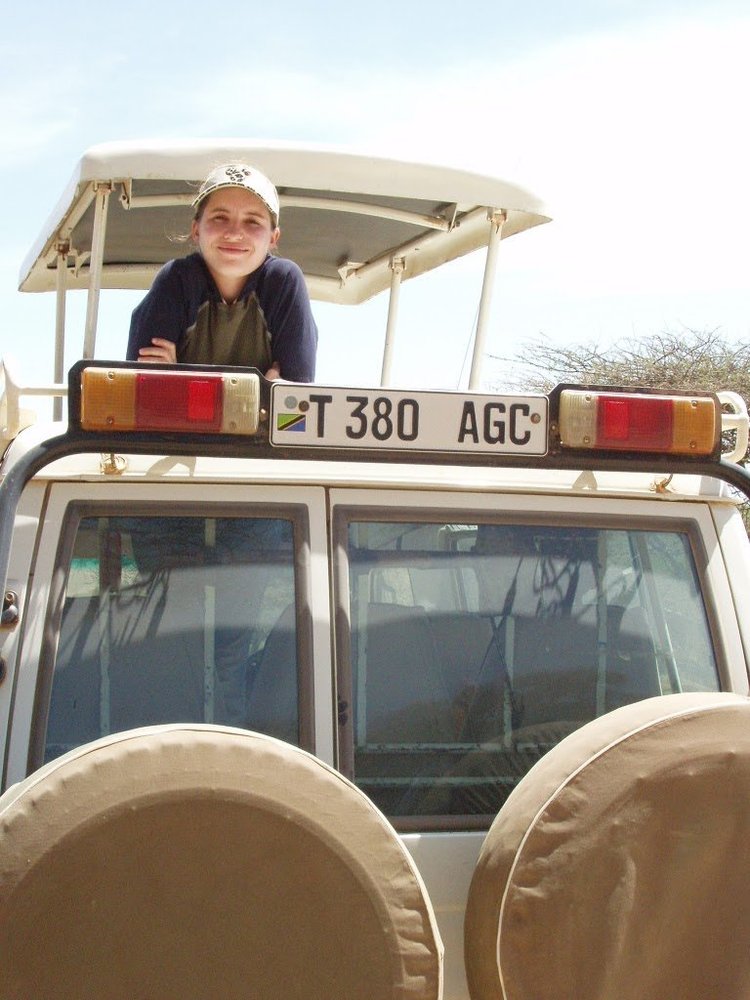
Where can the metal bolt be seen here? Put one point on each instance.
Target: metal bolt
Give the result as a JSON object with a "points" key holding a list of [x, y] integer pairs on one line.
{"points": [[10, 609]]}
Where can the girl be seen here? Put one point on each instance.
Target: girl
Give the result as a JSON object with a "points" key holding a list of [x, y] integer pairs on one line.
{"points": [[231, 302]]}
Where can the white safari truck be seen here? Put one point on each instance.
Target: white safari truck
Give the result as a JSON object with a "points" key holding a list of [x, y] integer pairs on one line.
{"points": [[315, 692]]}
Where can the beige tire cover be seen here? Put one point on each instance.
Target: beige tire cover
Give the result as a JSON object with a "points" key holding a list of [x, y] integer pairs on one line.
{"points": [[200, 862], [619, 868]]}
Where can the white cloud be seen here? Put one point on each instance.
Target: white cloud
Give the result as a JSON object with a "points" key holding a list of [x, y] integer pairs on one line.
{"points": [[28, 125], [35, 103], [272, 100], [635, 138], [636, 141]]}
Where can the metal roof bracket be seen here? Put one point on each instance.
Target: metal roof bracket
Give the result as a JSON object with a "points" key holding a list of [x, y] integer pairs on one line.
{"points": [[102, 193], [126, 194], [496, 219], [398, 266], [63, 250]]}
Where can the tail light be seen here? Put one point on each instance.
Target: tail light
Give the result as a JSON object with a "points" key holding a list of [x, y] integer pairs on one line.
{"points": [[128, 399], [673, 425]]}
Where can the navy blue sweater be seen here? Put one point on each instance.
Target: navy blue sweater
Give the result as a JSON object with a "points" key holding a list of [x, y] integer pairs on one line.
{"points": [[272, 320]]}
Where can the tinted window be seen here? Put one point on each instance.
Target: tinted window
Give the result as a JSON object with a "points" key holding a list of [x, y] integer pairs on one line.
{"points": [[175, 619], [475, 648]]}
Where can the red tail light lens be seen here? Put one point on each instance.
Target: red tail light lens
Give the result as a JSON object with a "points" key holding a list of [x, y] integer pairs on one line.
{"points": [[632, 422], [164, 403]]}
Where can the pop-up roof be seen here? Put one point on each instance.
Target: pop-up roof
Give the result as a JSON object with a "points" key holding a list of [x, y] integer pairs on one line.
{"points": [[344, 217], [355, 224]]}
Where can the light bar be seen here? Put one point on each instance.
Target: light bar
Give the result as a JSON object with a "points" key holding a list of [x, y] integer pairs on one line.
{"points": [[131, 399], [639, 422]]}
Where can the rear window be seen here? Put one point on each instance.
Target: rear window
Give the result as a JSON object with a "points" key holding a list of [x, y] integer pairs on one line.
{"points": [[173, 619], [476, 647]]}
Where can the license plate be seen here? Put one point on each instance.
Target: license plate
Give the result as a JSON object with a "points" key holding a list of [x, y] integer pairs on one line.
{"points": [[313, 416]]}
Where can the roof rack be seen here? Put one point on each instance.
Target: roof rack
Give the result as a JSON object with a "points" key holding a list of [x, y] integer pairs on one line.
{"points": [[13, 417], [266, 405]]}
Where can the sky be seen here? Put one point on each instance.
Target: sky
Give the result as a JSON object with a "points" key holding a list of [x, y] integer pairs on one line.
{"points": [[628, 118]]}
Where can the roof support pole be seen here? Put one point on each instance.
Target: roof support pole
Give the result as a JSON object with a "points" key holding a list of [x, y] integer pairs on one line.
{"points": [[60, 282], [398, 266], [103, 192], [490, 266]]}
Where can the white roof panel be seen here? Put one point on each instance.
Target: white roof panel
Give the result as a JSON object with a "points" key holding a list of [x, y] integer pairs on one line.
{"points": [[344, 216]]}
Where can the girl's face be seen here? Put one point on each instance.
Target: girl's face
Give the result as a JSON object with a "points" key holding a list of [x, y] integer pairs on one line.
{"points": [[234, 234]]}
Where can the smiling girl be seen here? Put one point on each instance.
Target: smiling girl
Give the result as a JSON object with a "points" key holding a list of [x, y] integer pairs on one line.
{"points": [[231, 302]]}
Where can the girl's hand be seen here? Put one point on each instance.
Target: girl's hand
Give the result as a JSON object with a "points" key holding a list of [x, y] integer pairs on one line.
{"points": [[274, 372], [159, 350]]}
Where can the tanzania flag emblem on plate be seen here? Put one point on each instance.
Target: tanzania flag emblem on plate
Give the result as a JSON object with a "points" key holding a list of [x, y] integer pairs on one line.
{"points": [[290, 421]]}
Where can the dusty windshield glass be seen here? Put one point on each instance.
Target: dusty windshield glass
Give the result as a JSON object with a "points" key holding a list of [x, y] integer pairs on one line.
{"points": [[175, 619], [475, 648]]}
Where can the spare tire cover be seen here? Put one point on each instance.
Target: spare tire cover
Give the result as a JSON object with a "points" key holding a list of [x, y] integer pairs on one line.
{"points": [[200, 861], [620, 865]]}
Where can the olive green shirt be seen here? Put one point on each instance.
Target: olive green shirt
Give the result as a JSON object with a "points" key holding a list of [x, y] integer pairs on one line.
{"points": [[229, 333]]}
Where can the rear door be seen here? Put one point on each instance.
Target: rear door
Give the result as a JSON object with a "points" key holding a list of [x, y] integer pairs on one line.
{"points": [[475, 632]]}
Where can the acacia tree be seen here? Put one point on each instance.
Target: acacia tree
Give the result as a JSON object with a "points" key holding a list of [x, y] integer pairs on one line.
{"points": [[692, 360]]}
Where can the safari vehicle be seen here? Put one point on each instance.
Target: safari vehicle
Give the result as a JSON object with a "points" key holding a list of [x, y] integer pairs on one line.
{"points": [[318, 691]]}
